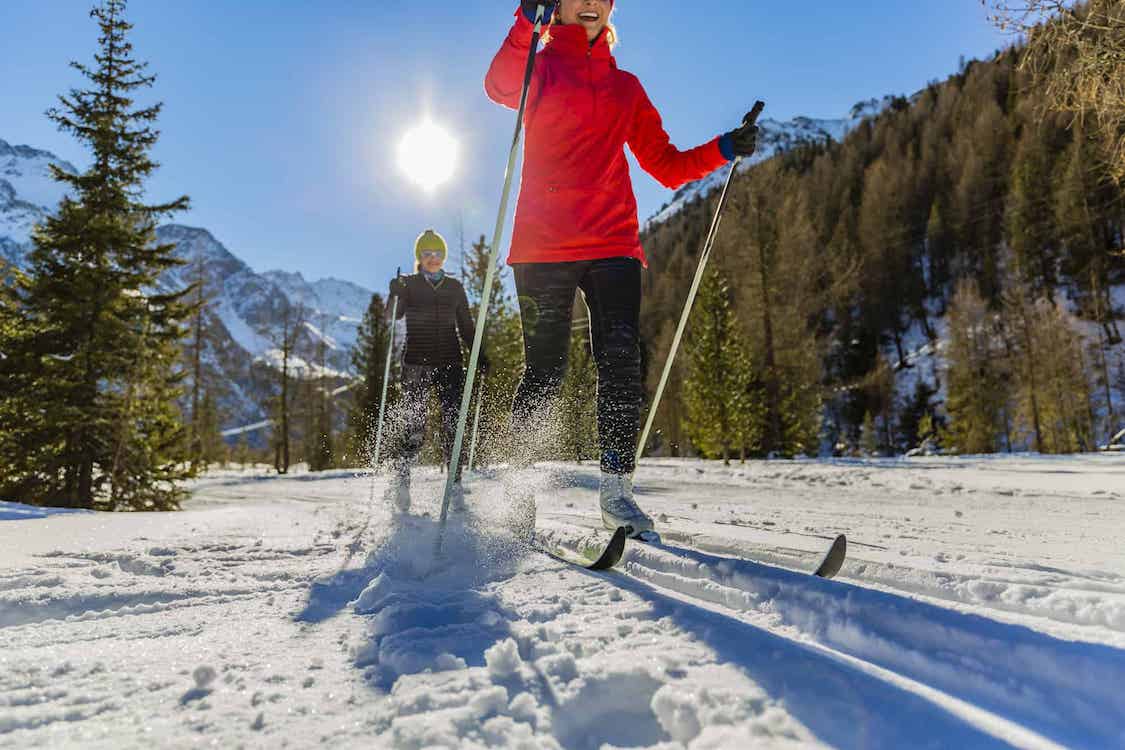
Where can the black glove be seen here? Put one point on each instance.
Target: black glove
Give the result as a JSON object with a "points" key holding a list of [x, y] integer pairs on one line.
{"points": [[483, 365], [398, 287], [742, 141], [530, 6]]}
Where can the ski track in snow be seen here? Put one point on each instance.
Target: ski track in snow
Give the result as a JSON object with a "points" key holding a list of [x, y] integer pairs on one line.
{"points": [[982, 605]]}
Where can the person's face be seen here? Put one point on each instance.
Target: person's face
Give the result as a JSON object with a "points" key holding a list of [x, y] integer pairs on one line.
{"points": [[432, 261], [592, 15]]}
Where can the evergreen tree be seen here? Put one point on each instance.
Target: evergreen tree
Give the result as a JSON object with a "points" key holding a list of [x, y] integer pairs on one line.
{"points": [[369, 359], [98, 348], [869, 436], [1031, 231], [212, 448], [915, 422], [722, 413], [284, 335], [318, 434], [242, 451], [977, 377], [927, 436], [667, 437], [1054, 393], [202, 417], [939, 251], [503, 347]]}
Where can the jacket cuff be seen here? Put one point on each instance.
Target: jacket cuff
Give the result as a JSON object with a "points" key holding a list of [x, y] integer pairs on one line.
{"points": [[726, 146]]}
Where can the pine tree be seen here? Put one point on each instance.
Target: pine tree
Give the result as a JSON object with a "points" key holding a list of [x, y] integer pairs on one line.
{"points": [[869, 436], [99, 347], [927, 435], [201, 382], [722, 413], [284, 335], [369, 358], [212, 447], [318, 434], [1052, 383], [1030, 229], [914, 414], [242, 451], [977, 376], [502, 346], [939, 251]]}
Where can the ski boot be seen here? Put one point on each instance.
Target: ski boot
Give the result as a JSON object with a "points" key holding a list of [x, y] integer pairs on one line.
{"points": [[397, 493], [619, 509]]}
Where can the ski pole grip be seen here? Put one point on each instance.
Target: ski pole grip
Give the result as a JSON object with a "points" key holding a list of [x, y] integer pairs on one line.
{"points": [[752, 116]]}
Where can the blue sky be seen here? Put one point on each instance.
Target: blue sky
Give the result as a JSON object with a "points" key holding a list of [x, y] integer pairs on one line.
{"points": [[281, 118]]}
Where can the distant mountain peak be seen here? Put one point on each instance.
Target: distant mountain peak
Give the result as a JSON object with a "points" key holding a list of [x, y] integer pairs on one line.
{"points": [[776, 137]]}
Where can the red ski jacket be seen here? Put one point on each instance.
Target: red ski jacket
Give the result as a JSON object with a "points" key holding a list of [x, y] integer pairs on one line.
{"points": [[576, 201]]}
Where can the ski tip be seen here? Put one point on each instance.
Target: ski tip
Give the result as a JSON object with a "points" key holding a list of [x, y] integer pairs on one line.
{"points": [[834, 560], [613, 551]]}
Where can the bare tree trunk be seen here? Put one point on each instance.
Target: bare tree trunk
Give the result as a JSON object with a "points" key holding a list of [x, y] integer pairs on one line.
{"points": [[197, 366]]}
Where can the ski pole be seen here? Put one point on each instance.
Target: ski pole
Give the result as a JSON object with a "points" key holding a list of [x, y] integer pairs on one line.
{"points": [[704, 255], [386, 373], [476, 426], [490, 276]]}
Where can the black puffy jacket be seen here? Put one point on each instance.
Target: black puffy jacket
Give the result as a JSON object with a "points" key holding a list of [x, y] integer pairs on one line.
{"points": [[437, 320]]}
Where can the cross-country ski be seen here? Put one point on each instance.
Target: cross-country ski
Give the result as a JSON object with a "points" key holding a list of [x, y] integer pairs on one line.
{"points": [[562, 375]]}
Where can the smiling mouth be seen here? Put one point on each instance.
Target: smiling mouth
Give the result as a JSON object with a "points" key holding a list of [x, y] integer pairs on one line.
{"points": [[588, 16]]}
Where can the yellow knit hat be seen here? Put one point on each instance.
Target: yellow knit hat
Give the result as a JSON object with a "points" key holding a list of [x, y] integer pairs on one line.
{"points": [[430, 240]]}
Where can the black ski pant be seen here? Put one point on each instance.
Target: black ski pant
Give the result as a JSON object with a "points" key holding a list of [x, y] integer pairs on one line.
{"points": [[611, 288], [418, 381]]}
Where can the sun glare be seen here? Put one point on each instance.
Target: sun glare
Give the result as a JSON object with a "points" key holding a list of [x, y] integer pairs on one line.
{"points": [[427, 155]]}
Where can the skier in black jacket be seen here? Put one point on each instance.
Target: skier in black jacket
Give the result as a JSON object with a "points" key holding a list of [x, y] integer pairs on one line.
{"points": [[438, 325]]}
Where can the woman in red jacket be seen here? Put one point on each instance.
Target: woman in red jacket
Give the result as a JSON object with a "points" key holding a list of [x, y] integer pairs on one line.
{"points": [[576, 221]]}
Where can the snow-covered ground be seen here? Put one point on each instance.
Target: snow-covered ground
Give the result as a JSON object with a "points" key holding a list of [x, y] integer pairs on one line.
{"points": [[982, 605]]}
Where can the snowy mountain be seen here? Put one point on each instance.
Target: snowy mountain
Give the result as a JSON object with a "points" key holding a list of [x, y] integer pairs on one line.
{"points": [[774, 138], [27, 195], [245, 306], [335, 307]]}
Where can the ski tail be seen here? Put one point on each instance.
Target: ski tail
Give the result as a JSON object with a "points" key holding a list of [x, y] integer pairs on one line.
{"points": [[834, 559]]}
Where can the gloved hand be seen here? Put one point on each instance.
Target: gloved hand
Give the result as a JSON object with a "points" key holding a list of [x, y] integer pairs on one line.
{"points": [[742, 141], [398, 287], [529, 7], [483, 364]]}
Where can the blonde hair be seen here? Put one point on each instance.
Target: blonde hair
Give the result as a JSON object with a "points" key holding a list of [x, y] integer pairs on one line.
{"points": [[610, 31]]}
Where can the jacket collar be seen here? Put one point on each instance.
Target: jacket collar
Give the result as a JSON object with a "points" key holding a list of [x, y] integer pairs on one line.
{"points": [[570, 40]]}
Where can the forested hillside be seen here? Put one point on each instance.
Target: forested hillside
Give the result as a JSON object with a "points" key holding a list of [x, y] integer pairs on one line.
{"points": [[837, 266]]}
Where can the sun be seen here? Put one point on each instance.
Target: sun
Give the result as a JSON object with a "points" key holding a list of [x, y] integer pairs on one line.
{"points": [[427, 155]]}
